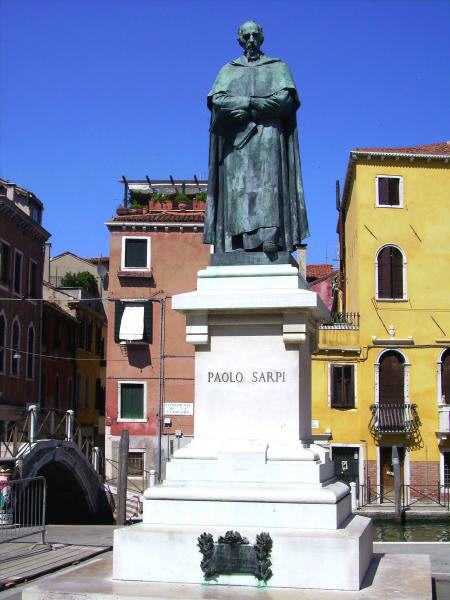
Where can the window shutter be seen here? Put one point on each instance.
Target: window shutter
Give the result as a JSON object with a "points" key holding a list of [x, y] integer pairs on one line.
{"points": [[135, 253], [397, 273], [131, 401], [384, 273], [445, 376], [119, 308], [394, 197], [336, 386], [383, 191], [349, 397], [392, 375], [148, 321]]}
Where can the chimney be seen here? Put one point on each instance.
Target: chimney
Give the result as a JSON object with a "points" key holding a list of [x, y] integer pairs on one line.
{"points": [[46, 274], [301, 259]]}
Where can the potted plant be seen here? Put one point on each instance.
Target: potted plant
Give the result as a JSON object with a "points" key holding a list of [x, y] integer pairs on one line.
{"points": [[121, 210], [181, 201]]}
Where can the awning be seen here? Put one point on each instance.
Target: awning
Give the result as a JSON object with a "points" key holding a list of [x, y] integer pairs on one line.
{"points": [[132, 324]]}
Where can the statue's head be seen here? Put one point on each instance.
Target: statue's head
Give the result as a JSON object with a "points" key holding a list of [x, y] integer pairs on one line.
{"points": [[251, 38]]}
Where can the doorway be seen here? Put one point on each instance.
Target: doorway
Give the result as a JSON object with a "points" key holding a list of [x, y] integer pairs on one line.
{"points": [[387, 472], [346, 464]]}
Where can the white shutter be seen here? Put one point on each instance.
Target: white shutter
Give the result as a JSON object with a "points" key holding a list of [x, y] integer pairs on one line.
{"points": [[132, 324]]}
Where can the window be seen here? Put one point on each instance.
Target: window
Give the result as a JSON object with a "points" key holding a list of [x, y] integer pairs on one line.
{"points": [[133, 321], [2, 342], [342, 386], [57, 392], [81, 333], [99, 396], [4, 263], [17, 272], [136, 253], [87, 395], [136, 463], [32, 280], [445, 376], [56, 334], [70, 393], [391, 274], [132, 401], [15, 349], [89, 331], [98, 340], [30, 353], [35, 212], [78, 392], [389, 191], [43, 389]]}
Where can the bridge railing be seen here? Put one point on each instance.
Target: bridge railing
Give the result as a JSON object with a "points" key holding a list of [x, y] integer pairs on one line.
{"points": [[22, 508], [42, 424]]}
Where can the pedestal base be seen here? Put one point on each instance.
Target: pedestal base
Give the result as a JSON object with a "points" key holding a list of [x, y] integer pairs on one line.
{"points": [[301, 558]]}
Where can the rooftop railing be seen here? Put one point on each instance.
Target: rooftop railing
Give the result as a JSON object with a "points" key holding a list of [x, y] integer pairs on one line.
{"points": [[342, 320]]}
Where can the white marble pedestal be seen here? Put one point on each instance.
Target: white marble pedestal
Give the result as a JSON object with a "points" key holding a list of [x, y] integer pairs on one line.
{"points": [[252, 466]]}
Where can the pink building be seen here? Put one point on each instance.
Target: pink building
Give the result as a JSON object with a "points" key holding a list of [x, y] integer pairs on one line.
{"points": [[156, 251]]}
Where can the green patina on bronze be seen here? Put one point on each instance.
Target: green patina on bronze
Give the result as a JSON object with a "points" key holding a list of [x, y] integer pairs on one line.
{"points": [[255, 191]]}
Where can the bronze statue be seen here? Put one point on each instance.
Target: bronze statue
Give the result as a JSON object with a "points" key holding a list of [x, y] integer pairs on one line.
{"points": [[255, 191]]}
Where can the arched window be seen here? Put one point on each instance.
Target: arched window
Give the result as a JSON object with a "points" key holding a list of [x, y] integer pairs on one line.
{"points": [[391, 378], [30, 353], [15, 349], [57, 392], [445, 376], [2, 342], [391, 270]]}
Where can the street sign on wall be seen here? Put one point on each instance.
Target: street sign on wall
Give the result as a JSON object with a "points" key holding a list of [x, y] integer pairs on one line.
{"points": [[178, 408]]}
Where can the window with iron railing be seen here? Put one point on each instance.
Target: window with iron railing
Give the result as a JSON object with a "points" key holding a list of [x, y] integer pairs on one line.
{"points": [[135, 464]]}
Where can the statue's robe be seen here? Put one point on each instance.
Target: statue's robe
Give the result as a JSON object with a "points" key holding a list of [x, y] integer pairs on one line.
{"points": [[255, 190]]}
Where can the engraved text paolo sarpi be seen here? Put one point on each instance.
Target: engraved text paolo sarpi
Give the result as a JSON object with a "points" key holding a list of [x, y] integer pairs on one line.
{"points": [[252, 377]]}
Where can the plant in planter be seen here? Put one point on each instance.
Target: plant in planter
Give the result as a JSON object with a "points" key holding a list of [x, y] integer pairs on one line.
{"points": [[201, 196], [121, 210], [181, 201]]}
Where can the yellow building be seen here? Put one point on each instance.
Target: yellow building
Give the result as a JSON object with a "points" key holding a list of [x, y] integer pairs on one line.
{"points": [[381, 375]]}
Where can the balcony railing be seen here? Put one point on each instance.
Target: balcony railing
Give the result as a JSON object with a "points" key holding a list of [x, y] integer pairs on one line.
{"points": [[394, 418], [340, 320]]}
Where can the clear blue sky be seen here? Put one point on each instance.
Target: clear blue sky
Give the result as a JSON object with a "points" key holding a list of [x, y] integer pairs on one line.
{"points": [[93, 89]]}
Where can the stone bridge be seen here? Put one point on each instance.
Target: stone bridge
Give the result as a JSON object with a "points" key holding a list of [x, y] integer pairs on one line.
{"points": [[42, 446]]}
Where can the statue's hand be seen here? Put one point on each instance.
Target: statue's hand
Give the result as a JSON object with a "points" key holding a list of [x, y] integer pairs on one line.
{"points": [[263, 104], [239, 115]]}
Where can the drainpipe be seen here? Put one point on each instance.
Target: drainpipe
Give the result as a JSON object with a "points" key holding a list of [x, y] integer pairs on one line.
{"points": [[161, 384]]}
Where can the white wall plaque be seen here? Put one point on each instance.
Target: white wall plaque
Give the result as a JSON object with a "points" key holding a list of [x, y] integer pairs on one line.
{"points": [[178, 408]]}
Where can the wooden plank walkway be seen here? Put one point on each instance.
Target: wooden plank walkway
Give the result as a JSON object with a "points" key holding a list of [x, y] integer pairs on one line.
{"points": [[22, 561]]}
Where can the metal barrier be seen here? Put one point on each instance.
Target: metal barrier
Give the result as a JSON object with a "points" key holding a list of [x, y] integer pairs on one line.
{"points": [[22, 508], [425, 495]]}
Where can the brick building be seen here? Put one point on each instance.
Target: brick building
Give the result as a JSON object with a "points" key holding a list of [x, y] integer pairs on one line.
{"points": [[156, 251], [22, 240]]}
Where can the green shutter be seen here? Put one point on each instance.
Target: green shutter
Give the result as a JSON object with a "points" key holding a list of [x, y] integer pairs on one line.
{"points": [[148, 321], [119, 308], [131, 401]]}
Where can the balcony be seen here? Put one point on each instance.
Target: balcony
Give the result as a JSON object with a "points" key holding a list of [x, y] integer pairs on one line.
{"points": [[341, 320], [394, 418], [443, 432]]}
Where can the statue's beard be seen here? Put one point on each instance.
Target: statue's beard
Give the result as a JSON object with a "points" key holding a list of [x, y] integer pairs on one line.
{"points": [[252, 52]]}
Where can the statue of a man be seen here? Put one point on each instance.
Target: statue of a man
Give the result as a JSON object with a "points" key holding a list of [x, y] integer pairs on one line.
{"points": [[255, 191]]}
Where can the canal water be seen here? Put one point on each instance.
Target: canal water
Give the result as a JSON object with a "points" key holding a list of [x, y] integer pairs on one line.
{"points": [[411, 531]]}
